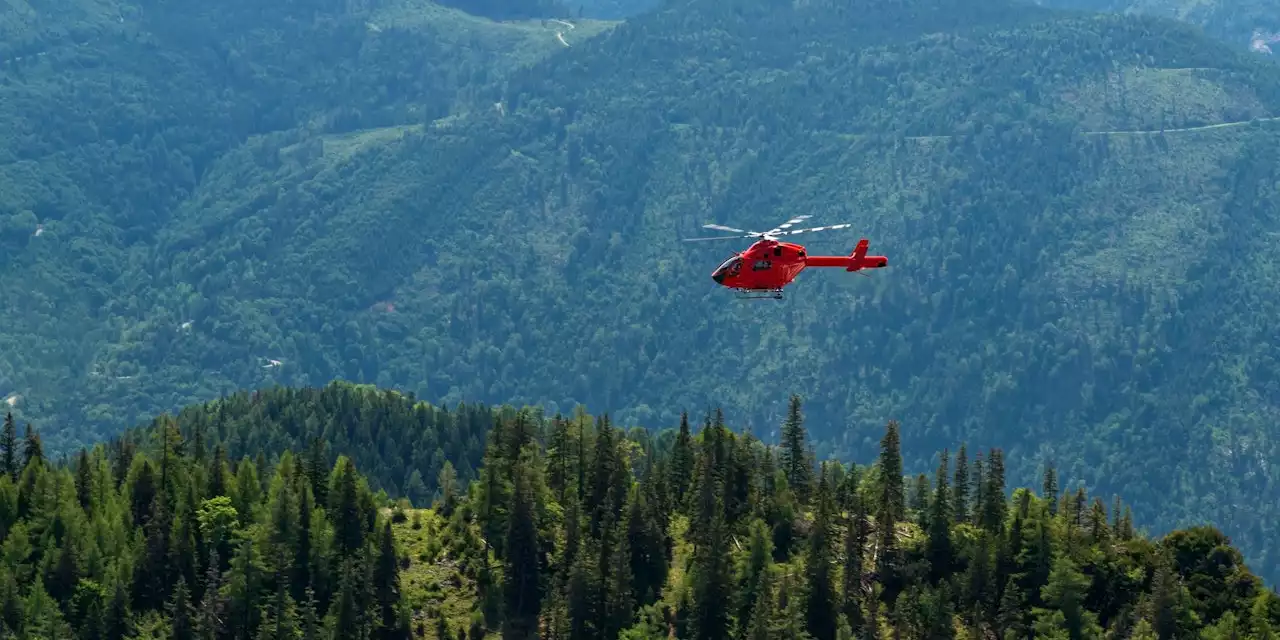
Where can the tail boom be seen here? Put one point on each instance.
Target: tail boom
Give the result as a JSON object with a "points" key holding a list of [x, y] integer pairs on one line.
{"points": [[856, 261]]}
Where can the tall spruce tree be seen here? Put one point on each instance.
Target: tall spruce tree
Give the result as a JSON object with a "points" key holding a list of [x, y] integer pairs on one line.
{"points": [[9, 447], [522, 587], [939, 550], [1049, 488], [960, 486], [795, 452], [855, 548], [889, 513], [32, 448], [820, 604]]}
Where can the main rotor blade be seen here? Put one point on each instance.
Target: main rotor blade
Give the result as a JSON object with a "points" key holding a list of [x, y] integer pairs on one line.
{"points": [[792, 222], [720, 227], [812, 229], [719, 238]]}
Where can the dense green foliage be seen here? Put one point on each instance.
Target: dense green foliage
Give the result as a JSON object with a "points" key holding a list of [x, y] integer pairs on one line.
{"points": [[716, 535], [576, 529], [511, 9], [402, 445], [612, 9], [114, 116], [166, 538], [1231, 20], [1080, 213]]}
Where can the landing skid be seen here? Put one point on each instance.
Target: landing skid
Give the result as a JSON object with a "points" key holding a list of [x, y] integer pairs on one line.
{"points": [[757, 294]]}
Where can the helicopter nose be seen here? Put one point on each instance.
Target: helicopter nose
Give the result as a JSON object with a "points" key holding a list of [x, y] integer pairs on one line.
{"points": [[718, 277]]}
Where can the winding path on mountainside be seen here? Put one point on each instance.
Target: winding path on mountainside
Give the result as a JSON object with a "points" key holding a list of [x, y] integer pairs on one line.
{"points": [[1117, 132], [560, 34], [1220, 125]]}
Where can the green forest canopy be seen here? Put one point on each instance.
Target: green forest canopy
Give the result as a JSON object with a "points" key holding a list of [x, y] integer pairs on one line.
{"points": [[575, 528], [204, 198]]}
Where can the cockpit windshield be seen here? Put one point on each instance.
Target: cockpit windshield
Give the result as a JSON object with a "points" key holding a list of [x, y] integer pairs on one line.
{"points": [[730, 267]]}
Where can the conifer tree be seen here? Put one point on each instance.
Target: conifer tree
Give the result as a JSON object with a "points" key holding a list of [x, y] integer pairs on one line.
{"points": [[219, 471], [738, 480], [711, 582], [790, 617], [33, 447], [820, 605], [1038, 559], [42, 617], [646, 543], [618, 599], [1064, 595], [1079, 509], [1097, 522], [116, 625], [854, 551], [752, 576], [386, 587], [447, 481], [348, 617], [795, 454], [110, 542], [344, 507], [317, 469], [978, 482], [246, 491], [960, 486], [918, 504], [982, 582], [1049, 490], [761, 624], [179, 611], [1011, 614], [84, 480], [584, 599], [889, 514], [9, 447], [939, 551], [938, 623], [212, 611], [609, 479], [153, 577], [681, 468], [522, 564], [560, 460], [890, 462], [995, 502]]}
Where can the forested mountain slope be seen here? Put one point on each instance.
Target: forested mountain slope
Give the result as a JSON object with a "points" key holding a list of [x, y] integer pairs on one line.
{"points": [[113, 115], [403, 445], [1080, 212], [577, 529], [1046, 237], [613, 9], [1238, 22]]}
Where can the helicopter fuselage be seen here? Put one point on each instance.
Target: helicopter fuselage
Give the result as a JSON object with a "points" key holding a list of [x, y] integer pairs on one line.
{"points": [[769, 265]]}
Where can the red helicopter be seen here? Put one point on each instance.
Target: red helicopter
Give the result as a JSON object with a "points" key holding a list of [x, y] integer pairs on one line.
{"points": [[773, 264]]}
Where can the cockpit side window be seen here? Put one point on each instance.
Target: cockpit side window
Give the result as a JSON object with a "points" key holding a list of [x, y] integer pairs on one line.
{"points": [[731, 266]]}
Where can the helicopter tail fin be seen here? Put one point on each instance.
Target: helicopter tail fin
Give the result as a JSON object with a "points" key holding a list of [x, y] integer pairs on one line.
{"points": [[860, 260], [860, 251]]}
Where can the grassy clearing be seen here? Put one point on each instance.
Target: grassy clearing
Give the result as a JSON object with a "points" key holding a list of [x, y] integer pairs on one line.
{"points": [[429, 579], [519, 42]]}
